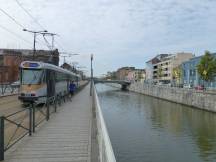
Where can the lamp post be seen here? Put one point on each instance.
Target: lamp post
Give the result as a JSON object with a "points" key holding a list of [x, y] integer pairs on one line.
{"points": [[91, 76], [35, 34]]}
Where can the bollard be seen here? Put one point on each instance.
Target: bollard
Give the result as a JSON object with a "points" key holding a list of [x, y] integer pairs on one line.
{"points": [[30, 121], [1, 138], [47, 112]]}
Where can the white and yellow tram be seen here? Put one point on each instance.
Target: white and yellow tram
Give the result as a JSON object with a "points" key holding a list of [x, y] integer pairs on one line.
{"points": [[40, 81]]}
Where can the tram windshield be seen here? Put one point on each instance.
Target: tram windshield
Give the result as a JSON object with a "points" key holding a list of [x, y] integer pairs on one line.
{"points": [[30, 76]]}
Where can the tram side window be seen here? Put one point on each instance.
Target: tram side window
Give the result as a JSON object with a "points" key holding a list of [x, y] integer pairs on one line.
{"points": [[60, 77]]}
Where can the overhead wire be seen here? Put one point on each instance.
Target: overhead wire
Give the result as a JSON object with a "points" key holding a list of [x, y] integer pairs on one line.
{"points": [[34, 19], [16, 35], [23, 27], [29, 14], [16, 22], [48, 45], [13, 19]]}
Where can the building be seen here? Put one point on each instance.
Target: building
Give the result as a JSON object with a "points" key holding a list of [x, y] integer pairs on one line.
{"points": [[10, 60], [122, 73], [150, 66], [136, 75], [140, 75], [73, 69], [163, 71], [190, 74], [162, 66], [131, 76]]}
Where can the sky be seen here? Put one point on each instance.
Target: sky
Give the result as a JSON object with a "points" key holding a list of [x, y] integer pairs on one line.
{"points": [[117, 32]]}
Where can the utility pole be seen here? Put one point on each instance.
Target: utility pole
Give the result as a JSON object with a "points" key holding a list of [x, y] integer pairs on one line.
{"points": [[35, 35], [91, 84], [52, 35]]}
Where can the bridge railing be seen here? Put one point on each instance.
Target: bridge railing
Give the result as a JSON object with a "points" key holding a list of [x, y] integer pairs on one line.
{"points": [[106, 153]]}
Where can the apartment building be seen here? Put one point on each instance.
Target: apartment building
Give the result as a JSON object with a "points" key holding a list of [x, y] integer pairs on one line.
{"points": [[136, 75], [122, 73], [149, 71], [190, 74], [163, 70]]}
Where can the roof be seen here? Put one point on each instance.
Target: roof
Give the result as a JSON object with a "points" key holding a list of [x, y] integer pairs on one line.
{"points": [[51, 67], [157, 58], [26, 51], [126, 68], [198, 57]]}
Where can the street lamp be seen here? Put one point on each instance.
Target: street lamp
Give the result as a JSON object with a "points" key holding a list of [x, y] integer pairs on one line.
{"points": [[35, 34], [91, 75]]}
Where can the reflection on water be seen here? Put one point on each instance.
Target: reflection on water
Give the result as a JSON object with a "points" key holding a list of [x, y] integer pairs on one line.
{"points": [[145, 129]]}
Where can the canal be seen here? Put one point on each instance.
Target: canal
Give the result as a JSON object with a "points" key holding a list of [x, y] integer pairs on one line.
{"points": [[146, 129]]}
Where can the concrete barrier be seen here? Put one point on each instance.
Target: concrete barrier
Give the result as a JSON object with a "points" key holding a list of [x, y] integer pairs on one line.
{"points": [[106, 153], [199, 99]]}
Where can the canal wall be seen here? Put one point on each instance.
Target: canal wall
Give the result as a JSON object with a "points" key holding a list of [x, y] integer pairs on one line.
{"points": [[189, 97]]}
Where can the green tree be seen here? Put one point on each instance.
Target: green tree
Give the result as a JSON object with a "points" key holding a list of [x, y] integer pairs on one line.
{"points": [[207, 67], [160, 72], [177, 74]]}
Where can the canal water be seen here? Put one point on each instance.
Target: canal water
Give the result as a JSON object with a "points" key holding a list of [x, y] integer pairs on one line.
{"points": [[146, 129]]}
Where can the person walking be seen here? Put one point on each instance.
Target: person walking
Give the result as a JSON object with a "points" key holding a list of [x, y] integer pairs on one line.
{"points": [[72, 88]]}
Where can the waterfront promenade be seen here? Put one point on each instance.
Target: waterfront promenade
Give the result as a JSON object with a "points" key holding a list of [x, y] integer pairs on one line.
{"points": [[65, 138]]}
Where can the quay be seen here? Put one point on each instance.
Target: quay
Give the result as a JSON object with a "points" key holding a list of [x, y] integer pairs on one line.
{"points": [[76, 133]]}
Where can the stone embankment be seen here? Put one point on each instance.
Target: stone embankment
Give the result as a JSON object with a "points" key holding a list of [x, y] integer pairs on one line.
{"points": [[189, 97]]}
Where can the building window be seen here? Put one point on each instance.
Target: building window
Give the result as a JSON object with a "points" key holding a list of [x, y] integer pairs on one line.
{"points": [[1, 60], [192, 72]]}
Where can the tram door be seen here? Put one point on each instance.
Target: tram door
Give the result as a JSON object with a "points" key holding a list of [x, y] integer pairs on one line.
{"points": [[50, 75]]}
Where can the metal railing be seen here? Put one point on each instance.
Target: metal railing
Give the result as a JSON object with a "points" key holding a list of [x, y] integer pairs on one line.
{"points": [[106, 153], [17, 125], [8, 89]]}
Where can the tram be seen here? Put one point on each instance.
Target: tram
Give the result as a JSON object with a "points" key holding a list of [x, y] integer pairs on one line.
{"points": [[40, 81]]}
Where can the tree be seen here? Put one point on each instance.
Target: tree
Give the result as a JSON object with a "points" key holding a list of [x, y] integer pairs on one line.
{"points": [[207, 67], [177, 74], [160, 72]]}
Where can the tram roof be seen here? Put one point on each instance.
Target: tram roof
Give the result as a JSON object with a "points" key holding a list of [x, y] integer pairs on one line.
{"points": [[42, 65]]}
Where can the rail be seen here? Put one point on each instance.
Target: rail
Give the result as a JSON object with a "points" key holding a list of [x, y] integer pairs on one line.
{"points": [[106, 153]]}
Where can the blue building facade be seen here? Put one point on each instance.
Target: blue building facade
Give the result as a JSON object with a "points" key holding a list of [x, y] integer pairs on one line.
{"points": [[190, 74]]}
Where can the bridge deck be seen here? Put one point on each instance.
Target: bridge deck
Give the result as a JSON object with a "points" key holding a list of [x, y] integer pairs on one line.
{"points": [[65, 138]]}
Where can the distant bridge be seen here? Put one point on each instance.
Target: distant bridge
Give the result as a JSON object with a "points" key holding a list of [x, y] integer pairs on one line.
{"points": [[123, 83]]}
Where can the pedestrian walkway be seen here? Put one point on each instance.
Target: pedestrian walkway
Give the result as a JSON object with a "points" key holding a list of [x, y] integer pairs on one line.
{"points": [[65, 138]]}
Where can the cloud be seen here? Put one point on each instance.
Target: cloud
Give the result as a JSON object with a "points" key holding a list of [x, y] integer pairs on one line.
{"points": [[120, 32]]}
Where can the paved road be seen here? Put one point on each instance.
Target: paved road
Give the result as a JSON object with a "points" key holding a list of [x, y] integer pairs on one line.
{"points": [[65, 138], [9, 104]]}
